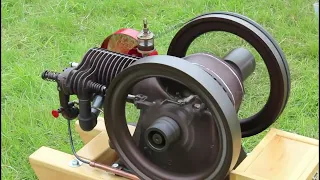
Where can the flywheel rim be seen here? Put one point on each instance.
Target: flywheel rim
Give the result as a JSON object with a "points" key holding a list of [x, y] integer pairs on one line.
{"points": [[265, 45], [229, 126]]}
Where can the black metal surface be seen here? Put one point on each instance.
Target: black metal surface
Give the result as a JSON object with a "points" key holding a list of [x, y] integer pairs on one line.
{"points": [[97, 103], [227, 73], [264, 44], [224, 155], [188, 126], [227, 76], [92, 76], [242, 60], [161, 133], [197, 140]]}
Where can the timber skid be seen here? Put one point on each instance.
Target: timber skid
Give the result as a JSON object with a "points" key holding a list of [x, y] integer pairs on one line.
{"points": [[279, 155]]}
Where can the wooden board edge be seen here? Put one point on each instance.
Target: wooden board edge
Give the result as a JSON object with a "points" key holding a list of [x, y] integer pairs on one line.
{"points": [[98, 150], [51, 164], [311, 169], [87, 136], [296, 137], [256, 151], [244, 176]]}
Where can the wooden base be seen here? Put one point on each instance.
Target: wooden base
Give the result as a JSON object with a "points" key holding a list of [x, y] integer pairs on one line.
{"points": [[50, 164], [279, 155]]}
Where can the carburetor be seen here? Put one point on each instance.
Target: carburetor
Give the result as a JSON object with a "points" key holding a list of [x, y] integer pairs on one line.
{"points": [[188, 127]]}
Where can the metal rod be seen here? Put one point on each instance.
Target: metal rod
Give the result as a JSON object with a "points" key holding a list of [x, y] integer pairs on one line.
{"points": [[113, 170], [72, 146], [98, 165]]}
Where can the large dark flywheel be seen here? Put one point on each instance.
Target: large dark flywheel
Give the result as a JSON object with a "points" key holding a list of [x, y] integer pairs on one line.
{"points": [[201, 147], [188, 126], [264, 44]]}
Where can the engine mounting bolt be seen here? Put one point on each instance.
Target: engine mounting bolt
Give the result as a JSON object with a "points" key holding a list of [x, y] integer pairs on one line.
{"points": [[75, 163], [115, 165]]}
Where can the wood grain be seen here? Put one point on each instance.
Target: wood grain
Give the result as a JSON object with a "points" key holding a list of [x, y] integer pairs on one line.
{"points": [[280, 156], [50, 164]]}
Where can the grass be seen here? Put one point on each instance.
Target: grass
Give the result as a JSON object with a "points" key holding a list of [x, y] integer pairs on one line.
{"points": [[39, 35]]}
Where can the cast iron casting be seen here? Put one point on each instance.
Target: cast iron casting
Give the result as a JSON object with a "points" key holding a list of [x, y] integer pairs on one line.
{"points": [[188, 126], [264, 44]]}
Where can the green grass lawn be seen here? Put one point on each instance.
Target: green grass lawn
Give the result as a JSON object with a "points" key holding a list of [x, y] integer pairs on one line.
{"points": [[39, 35]]}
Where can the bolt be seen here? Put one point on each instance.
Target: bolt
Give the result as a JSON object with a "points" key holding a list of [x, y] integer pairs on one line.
{"points": [[75, 162], [197, 106], [145, 27], [145, 23], [115, 165]]}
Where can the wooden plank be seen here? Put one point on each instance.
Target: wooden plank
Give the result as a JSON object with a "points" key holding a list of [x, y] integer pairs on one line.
{"points": [[255, 152], [297, 137], [97, 143], [87, 136], [245, 176], [281, 155], [50, 164], [311, 169], [309, 160], [98, 150]]}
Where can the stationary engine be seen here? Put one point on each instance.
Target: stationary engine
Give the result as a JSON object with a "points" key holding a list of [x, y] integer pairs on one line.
{"points": [[188, 125]]}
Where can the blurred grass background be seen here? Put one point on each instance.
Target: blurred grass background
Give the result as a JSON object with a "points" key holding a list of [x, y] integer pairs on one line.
{"points": [[38, 35]]}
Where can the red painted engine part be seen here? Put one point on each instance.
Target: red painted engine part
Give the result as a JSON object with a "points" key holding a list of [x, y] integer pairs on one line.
{"points": [[124, 41]]}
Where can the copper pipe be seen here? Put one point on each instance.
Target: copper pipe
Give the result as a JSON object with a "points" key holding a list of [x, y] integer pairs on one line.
{"points": [[114, 170]]}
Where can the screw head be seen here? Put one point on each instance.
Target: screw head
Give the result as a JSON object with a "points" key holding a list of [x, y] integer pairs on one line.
{"points": [[115, 165], [75, 163]]}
